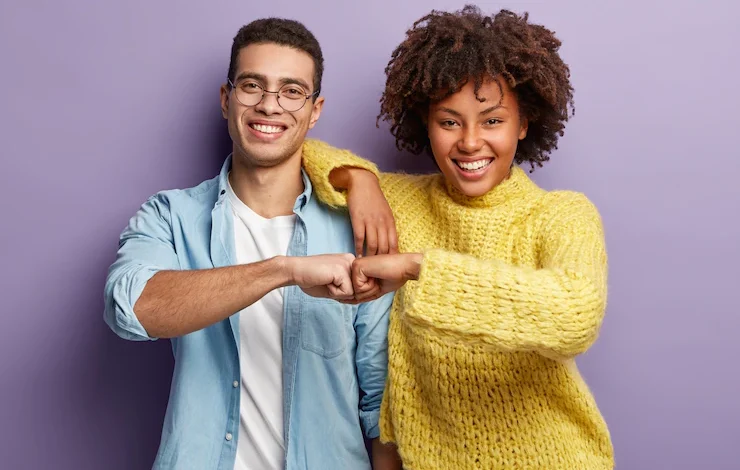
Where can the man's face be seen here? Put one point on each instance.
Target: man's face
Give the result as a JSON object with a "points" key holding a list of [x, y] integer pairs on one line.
{"points": [[265, 134]]}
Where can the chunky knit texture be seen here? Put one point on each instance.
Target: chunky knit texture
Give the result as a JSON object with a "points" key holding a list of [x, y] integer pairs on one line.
{"points": [[481, 347]]}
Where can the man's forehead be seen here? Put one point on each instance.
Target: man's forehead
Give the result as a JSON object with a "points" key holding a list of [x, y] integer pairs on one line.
{"points": [[275, 62]]}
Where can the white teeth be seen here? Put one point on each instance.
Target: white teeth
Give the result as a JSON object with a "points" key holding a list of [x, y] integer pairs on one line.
{"points": [[267, 129], [474, 165]]}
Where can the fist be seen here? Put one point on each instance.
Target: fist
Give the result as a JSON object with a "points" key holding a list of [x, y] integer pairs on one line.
{"points": [[375, 276], [327, 276]]}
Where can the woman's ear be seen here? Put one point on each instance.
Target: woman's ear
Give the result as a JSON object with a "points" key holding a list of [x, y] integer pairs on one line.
{"points": [[523, 126]]}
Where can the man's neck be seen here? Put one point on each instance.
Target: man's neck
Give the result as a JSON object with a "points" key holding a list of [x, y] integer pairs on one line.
{"points": [[270, 192]]}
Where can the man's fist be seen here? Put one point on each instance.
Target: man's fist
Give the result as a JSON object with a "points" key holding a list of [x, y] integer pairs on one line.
{"points": [[326, 276]]}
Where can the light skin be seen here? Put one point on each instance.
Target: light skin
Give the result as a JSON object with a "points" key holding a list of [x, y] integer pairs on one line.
{"points": [[266, 176], [266, 166], [473, 142]]}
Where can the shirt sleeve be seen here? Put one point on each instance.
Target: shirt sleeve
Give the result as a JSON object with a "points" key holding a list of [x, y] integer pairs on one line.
{"points": [[145, 248], [371, 359]]}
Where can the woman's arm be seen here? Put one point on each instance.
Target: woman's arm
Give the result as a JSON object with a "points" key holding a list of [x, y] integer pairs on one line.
{"points": [[342, 179], [556, 310]]}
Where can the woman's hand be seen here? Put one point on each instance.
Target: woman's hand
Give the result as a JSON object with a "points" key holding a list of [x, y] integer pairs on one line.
{"points": [[375, 276], [372, 219]]}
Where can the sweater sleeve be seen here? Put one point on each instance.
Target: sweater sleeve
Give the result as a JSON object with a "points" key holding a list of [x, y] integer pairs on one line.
{"points": [[555, 310], [319, 159]]}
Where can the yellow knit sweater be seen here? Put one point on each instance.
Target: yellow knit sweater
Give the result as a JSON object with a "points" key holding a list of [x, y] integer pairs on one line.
{"points": [[512, 287]]}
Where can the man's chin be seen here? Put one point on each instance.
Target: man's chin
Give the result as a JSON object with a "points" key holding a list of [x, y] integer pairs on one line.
{"points": [[267, 156]]}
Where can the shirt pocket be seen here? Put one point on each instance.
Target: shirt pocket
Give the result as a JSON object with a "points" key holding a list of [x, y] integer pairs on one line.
{"points": [[325, 326]]}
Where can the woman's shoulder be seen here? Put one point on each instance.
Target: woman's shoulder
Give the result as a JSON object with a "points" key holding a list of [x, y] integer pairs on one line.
{"points": [[406, 186], [567, 201], [567, 208]]}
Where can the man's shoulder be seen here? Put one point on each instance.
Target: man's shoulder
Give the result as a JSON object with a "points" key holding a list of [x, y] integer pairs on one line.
{"points": [[205, 193], [329, 229]]}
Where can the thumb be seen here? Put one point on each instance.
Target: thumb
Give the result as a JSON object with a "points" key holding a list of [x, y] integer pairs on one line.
{"points": [[342, 285], [360, 281]]}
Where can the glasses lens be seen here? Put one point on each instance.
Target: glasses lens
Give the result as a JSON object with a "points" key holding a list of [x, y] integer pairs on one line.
{"points": [[248, 93], [292, 97]]}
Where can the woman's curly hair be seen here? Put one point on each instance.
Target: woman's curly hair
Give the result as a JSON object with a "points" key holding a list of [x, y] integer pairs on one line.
{"points": [[443, 51]]}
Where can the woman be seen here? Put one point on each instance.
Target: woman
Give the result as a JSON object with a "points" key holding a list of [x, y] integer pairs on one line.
{"points": [[501, 284]]}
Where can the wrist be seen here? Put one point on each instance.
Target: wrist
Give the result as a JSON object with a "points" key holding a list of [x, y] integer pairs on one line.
{"points": [[339, 178], [413, 266], [344, 177], [284, 266], [359, 177]]}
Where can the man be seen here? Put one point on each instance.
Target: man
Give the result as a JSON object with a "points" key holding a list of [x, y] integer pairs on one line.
{"points": [[268, 374]]}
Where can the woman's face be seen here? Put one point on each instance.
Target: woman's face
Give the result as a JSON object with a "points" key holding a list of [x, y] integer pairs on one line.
{"points": [[474, 142]]}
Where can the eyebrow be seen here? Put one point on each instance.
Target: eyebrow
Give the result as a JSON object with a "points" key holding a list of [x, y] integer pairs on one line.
{"points": [[282, 81], [485, 111]]}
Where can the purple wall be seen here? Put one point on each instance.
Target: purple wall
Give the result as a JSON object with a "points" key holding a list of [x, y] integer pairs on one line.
{"points": [[104, 103]]}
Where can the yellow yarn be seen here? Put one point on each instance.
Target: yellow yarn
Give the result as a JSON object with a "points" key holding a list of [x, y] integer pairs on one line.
{"points": [[481, 347]]}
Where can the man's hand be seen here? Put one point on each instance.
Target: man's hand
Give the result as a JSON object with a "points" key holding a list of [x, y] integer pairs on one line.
{"points": [[323, 275], [372, 219], [375, 276]]}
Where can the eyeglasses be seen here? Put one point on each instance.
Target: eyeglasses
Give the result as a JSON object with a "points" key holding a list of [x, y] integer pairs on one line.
{"points": [[290, 97]]}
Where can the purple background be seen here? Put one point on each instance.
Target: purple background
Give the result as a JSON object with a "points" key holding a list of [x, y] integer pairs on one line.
{"points": [[104, 103]]}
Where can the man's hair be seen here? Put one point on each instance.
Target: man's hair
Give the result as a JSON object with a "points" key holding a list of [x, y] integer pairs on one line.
{"points": [[282, 32], [444, 51]]}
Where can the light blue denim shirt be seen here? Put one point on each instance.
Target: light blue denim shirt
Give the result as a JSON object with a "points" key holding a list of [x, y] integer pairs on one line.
{"points": [[334, 355]]}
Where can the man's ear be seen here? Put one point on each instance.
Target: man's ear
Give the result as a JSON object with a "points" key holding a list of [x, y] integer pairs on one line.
{"points": [[318, 105], [225, 91]]}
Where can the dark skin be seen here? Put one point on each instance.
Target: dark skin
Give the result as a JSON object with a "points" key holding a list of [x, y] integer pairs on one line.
{"points": [[463, 130], [439, 98], [266, 176], [461, 54]]}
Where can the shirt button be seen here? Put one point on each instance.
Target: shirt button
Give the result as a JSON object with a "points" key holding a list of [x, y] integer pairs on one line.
{"points": [[235, 384], [229, 436]]}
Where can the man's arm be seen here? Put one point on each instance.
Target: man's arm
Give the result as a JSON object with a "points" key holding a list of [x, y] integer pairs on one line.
{"points": [[371, 358], [175, 303], [147, 296]]}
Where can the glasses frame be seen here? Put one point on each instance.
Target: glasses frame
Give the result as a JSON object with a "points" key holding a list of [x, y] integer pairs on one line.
{"points": [[277, 96]]}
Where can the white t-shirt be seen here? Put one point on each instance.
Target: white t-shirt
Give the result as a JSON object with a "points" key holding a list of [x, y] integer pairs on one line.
{"points": [[260, 444]]}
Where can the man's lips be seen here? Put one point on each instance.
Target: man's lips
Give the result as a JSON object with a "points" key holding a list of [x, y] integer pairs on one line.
{"points": [[267, 127]]}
